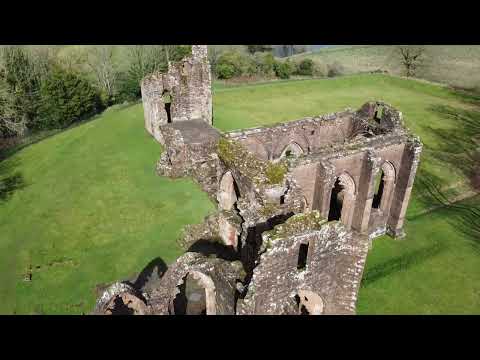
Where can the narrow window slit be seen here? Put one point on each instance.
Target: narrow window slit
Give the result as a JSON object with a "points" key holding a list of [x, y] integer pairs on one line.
{"points": [[302, 257]]}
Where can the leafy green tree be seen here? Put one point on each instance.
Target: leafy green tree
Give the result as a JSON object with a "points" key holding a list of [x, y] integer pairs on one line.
{"points": [[305, 67], [265, 63], [225, 71], [66, 97], [284, 69], [236, 62]]}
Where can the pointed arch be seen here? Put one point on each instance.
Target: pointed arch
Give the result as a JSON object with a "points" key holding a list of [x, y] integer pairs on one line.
{"points": [[383, 195], [292, 150], [342, 199]]}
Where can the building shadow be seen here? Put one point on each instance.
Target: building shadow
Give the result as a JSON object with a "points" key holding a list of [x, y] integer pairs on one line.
{"points": [[209, 247], [457, 146], [465, 219], [150, 274], [401, 263]]}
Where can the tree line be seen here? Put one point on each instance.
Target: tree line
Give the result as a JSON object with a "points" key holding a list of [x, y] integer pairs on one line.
{"points": [[42, 89]]}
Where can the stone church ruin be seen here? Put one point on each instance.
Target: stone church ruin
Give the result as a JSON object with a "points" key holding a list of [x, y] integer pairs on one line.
{"points": [[298, 203]]}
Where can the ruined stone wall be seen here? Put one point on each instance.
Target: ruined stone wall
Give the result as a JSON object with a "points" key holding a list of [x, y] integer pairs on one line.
{"points": [[190, 150], [189, 84], [273, 206], [310, 134], [333, 271], [357, 166], [223, 275]]}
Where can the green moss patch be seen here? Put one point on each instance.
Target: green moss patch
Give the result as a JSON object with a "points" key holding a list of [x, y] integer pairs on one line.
{"points": [[260, 172]]}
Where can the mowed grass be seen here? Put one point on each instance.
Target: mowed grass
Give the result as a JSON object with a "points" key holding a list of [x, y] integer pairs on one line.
{"points": [[93, 208], [457, 65], [435, 270]]}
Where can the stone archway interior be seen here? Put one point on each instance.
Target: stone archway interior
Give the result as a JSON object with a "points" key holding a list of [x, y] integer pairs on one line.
{"points": [[309, 303], [388, 185], [342, 200], [291, 151], [195, 295]]}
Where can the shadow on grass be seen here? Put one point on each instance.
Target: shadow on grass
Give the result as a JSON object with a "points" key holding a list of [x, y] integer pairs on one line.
{"points": [[458, 147], [11, 180], [401, 263], [152, 272], [464, 217]]}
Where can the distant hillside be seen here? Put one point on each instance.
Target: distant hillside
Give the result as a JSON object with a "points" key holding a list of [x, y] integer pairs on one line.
{"points": [[457, 65]]}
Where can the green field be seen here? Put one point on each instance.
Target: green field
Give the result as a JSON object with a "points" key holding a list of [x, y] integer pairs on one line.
{"points": [[457, 65], [87, 208]]}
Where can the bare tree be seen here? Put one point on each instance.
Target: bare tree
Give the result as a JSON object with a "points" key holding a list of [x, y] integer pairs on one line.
{"points": [[100, 60], [411, 58], [9, 119]]}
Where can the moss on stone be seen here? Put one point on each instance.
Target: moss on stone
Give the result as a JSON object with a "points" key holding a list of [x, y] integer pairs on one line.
{"points": [[268, 210], [275, 173], [260, 172]]}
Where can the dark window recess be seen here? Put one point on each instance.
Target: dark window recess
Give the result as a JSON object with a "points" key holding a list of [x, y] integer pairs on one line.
{"points": [[379, 185], [167, 109], [336, 202], [302, 256]]}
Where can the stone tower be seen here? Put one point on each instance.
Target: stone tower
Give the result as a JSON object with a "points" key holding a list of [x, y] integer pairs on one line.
{"points": [[183, 93]]}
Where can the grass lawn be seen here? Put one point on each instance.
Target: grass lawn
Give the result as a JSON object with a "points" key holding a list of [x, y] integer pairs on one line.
{"points": [[89, 208], [92, 210], [457, 65]]}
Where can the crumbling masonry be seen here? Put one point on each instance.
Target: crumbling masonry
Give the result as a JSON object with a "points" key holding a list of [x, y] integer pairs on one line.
{"points": [[298, 203]]}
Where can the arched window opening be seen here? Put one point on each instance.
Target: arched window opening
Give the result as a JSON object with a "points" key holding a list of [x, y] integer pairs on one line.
{"points": [[342, 200], [383, 187], [291, 151], [336, 201]]}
